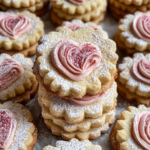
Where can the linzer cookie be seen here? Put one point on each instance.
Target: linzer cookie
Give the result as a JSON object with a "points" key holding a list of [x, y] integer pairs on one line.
{"points": [[78, 24], [17, 128], [17, 81], [73, 144], [39, 8], [85, 10], [76, 63], [134, 79], [133, 33], [92, 107], [19, 32], [131, 131]]}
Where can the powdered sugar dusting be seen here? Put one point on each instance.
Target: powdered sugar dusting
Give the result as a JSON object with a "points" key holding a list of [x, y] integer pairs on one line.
{"points": [[126, 75], [21, 115], [60, 105], [27, 65]]}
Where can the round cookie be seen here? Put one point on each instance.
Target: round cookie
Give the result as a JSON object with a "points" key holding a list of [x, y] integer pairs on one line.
{"points": [[17, 80], [133, 80], [20, 132], [131, 131], [73, 113], [62, 85], [74, 144], [132, 34], [20, 35]]}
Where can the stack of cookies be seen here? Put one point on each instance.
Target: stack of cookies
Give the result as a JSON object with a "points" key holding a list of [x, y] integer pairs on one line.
{"points": [[38, 7], [85, 10], [119, 8], [76, 71]]}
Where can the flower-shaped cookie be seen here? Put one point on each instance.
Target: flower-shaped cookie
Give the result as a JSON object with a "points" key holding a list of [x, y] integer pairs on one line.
{"points": [[76, 6], [19, 30], [19, 3], [133, 33], [73, 113], [83, 126], [135, 2], [74, 144], [131, 131], [134, 78], [78, 24], [85, 66], [17, 81], [17, 128]]}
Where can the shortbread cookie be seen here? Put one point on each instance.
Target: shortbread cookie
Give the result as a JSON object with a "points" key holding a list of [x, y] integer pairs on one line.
{"points": [[83, 126], [133, 80], [131, 131], [24, 31], [58, 21], [19, 3], [68, 7], [135, 2], [26, 52], [85, 17], [62, 81], [133, 33], [74, 113], [18, 132], [93, 133], [73, 144], [78, 24], [37, 8], [16, 78]]}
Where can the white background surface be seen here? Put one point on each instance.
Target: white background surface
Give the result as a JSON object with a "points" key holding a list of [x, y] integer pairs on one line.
{"points": [[45, 136]]}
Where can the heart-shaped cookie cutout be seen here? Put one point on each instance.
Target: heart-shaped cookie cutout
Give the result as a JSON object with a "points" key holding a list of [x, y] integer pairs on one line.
{"points": [[8, 125], [76, 60], [10, 71], [141, 70], [14, 26]]}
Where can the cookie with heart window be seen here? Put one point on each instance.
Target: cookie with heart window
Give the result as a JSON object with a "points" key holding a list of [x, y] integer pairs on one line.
{"points": [[131, 131], [19, 31], [134, 79], [17, 130], [76, 63], [133, 33], [73, 144], [17, 81]]}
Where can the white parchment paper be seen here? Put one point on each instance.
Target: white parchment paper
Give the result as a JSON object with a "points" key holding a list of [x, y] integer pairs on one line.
{"points": [[45, 136]]}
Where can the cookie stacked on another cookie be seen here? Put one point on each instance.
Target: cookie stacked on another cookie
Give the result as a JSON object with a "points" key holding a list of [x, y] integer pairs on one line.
{"points": [[85, 10], [38, 7], [120, 8], [133, 33], [19, 32], [76, 71]]}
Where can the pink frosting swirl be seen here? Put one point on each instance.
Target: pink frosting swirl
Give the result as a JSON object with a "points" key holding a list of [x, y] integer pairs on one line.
{"points": [[141, 26], [86, 100], [10, 71], [141, 129], [75, 60], [14, 26], [8, 125], [141, 71], [77, 2]]}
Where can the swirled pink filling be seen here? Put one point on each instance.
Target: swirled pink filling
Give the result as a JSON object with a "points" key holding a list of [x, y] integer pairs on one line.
{"points": [[14, 26], [75, 60], [141, 129], [141, 71], [77, 2], [8, 125], [10, 71], [141, 26]]}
